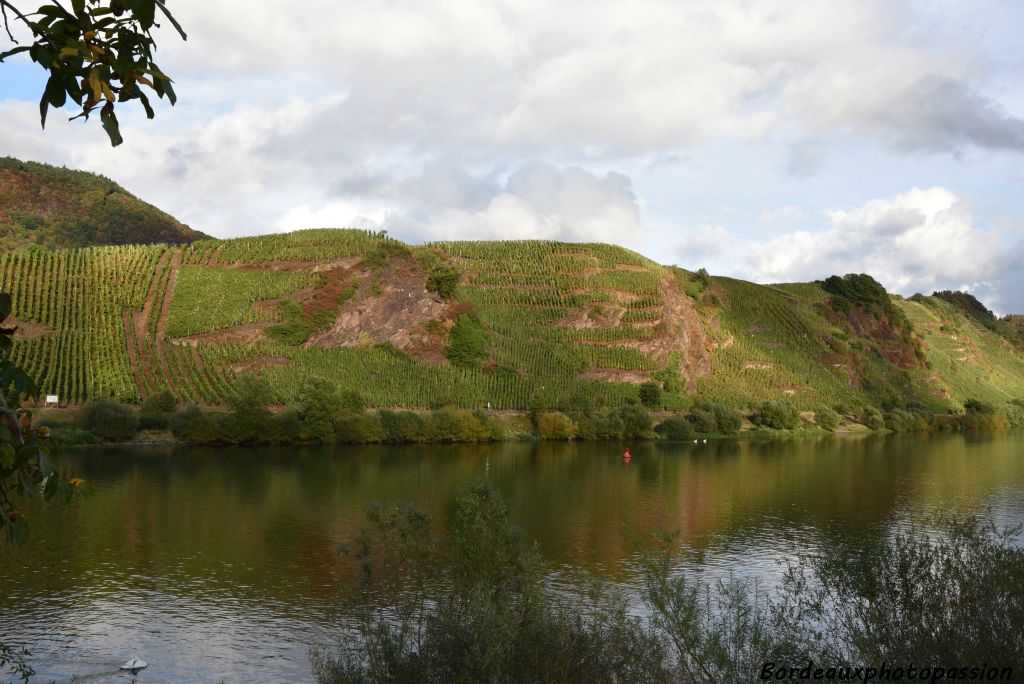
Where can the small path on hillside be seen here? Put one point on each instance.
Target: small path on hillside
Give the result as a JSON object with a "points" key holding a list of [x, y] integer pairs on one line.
{"points": [[161, 324], [133, 360], [137, 320]]}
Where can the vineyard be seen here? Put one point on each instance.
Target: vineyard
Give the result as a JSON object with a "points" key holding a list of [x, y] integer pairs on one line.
{"points": [[561, 325]]}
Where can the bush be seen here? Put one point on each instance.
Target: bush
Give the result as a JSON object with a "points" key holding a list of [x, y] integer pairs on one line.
{"points": [[729, 420], [675, 428], [826, 418], [110, 420], [555, 426], [160, 402], [402, 428], [636, 422], [467, 346], [456, 425], [477, 605], [318, 404], [650, 394], [979, 407], [350, 401], [599, 426], [443, 279], [777, 415], [872, 418], [195, 426], [905, 421], [358, 428], [703, 419]]}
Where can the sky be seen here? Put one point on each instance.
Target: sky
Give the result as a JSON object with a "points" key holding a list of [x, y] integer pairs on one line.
{"points": [[772, 141]]}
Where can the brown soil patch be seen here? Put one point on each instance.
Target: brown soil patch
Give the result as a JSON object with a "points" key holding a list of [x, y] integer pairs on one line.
{"points": [[27, 330], [252, 332], [593, 316], [258, 363], [616, 375]]}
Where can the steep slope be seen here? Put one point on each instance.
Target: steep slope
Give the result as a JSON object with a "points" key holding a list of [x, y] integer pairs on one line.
{"points": [[55, 207], [513, 324]]}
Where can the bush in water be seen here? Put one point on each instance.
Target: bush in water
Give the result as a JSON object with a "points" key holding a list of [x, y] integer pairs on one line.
{"points": [[476, 605]]}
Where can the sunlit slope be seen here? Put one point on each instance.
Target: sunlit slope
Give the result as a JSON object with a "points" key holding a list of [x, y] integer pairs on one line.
{"points": [[48, 206], [516, 325]]}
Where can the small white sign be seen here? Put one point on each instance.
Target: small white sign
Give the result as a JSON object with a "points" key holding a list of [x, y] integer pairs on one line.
{"points": [[52, 399]]}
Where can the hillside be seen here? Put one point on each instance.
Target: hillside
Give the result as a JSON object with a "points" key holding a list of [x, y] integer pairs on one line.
{"points": [[513, 324], [55, 207]]}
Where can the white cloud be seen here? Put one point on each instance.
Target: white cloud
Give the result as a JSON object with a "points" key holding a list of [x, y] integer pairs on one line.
{"points": [[705, 242], [544, 202], [918, 241]]}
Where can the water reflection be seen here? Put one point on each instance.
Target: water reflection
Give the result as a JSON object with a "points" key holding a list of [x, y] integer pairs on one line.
{"points": [[221, 564]]}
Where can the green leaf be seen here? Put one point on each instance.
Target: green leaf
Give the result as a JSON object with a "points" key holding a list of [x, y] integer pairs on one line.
{"points": [[170, 17], [145, 104], [111, 127]]}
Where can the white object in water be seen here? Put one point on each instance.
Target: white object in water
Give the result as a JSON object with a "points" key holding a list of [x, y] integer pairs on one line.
{"points": [[705, 440], [694, 441], [134, 665]]}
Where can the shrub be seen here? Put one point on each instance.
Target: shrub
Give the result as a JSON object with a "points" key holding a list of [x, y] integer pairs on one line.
{"points": [[443, 279], [704, 419], [675, 428], [402, 427], [160, 402], [729, 420], [456, 425], [318, 404], [350, 401], [110, 420], [194, 425], [555, 426], [650, 394], [252, 395], [979, 407], [467, 346], [636, 422], [872, 418], [905, 421], [826, 418], [777, 415], [358, 428], [294, 328], [599, 426]]}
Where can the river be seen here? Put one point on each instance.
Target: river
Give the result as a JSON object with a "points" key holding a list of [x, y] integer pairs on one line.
{"points": [[222, 564]]}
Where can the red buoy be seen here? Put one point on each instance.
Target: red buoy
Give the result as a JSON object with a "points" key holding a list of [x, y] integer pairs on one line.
{"points": [[626, 456]]}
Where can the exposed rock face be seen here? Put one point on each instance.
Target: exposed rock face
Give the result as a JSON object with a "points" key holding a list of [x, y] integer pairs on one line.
{"points": [[397, 312]]}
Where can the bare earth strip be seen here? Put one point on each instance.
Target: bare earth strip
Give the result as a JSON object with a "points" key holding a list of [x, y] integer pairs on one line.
{"points": [[161, 325], [137, 320], [133, 360]]}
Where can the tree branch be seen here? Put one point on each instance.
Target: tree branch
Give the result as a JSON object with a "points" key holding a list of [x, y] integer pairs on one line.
{"points": [[4, 5]]}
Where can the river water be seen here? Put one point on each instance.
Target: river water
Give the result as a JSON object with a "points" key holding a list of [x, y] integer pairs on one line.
{"points": [[222, 564]]}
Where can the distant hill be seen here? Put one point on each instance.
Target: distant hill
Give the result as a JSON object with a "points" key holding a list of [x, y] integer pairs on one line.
{"points": [[56, 207], [513, 324]]}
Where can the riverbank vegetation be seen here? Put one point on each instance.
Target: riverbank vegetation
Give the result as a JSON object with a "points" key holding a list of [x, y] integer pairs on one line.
{"points": [[324, 414], [478, 604]]}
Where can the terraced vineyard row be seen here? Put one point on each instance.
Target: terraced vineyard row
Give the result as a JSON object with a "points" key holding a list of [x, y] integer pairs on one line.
{"points": [[71, 301]]}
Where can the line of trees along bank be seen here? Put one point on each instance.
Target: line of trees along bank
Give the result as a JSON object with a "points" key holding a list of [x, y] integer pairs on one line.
{"points": [[322, 414]]}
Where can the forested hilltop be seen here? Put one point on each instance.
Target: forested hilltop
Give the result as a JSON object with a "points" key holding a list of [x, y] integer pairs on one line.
{"points": [[516, 325], [56, 207]]}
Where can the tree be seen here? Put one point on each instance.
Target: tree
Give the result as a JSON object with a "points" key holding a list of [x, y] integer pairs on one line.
{"points": [[650, 394], [26, 453], [99, 53]]}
